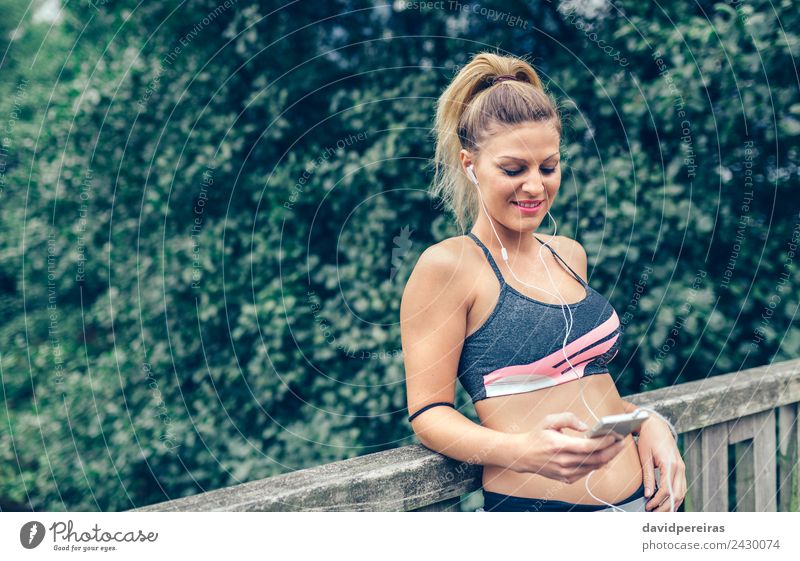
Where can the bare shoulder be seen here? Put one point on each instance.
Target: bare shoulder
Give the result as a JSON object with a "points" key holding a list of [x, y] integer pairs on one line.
{"points": [[442, 267], [447, 260], [570, 251]]}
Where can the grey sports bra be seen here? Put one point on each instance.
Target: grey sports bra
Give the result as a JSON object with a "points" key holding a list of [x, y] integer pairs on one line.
{"points": [[519, 346]]}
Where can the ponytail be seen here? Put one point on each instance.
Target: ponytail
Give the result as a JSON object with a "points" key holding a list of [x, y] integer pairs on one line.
{"points": [[465, 111]]}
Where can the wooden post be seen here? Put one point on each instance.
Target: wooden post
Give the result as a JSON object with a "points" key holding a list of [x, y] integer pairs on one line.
{"points": [[714, 457], [693, 458], [788, 440]]}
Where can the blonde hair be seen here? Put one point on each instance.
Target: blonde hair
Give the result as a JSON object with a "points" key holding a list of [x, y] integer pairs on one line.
{"points": [[465, 114]]}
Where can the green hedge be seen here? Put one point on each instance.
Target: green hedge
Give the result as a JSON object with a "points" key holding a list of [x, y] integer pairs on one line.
{"points": [[209, 215]]}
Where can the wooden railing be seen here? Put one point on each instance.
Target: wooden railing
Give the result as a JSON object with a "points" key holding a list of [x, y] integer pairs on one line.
{"points": [[747, 420]]}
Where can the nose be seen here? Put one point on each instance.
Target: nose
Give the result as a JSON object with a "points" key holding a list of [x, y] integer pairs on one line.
{"points": [[534, 186]]}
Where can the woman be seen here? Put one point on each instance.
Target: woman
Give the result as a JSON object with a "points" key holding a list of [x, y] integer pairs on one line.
{"points": [[518, 325]]}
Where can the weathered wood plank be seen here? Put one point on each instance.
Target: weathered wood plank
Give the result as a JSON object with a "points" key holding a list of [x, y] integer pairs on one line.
{"points": [[788, 439], [714, 400], [403, 479], [714, 446], [764, 462], [693, 458], [740, 435], [741, 429], [755, 470], [412, 477], [797, 458]]}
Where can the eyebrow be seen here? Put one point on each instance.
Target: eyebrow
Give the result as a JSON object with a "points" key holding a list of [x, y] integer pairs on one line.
{"points": [[526, 161]]}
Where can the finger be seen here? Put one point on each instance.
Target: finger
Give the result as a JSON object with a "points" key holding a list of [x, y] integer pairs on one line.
{"points": [[676, 485], [603, 452], [679, 487], [663, 491], [657, 498], [601, 457], [648, 476], [597, 444], [573, 460], [665, 506], [587, 461], [677, 478], [611, 452]]}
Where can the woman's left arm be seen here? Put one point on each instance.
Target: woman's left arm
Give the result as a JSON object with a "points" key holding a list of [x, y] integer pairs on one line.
{"points": [[657, 448]]}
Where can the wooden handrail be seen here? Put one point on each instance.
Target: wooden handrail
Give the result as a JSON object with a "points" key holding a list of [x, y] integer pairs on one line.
{"points": [[711, 414]]}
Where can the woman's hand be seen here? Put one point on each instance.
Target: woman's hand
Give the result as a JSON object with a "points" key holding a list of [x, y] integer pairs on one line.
{"points": [[657, 448], [547, 451]]}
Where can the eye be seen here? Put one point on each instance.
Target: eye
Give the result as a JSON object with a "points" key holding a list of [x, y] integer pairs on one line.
{"points": [[512, 172], [548, 171]]}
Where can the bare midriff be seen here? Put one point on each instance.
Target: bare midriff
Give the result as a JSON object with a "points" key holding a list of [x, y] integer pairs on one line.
{"points": [[615, 481]]}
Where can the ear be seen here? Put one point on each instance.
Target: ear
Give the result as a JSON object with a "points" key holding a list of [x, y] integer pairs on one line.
{"points": [[466, 158]]}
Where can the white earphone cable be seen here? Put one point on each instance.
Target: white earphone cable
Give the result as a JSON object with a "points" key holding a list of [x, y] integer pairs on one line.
{"points": [[569, 322]]}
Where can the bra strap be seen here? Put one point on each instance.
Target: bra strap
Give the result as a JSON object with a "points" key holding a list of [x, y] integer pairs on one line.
{"points": [[489, 257], [553, 251]]}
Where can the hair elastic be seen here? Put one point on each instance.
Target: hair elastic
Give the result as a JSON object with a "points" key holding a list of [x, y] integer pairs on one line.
{"points": [[437, 404], [503, 78]]}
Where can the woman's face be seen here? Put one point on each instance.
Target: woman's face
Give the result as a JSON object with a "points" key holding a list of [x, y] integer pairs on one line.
{"points": [[518, 167]]}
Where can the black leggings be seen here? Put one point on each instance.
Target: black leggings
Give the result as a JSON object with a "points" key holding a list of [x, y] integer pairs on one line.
{"points": [[497, 502]]}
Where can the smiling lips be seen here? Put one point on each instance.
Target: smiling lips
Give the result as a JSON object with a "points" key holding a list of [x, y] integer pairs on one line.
{"points": [[527, 206], [527, 203]]}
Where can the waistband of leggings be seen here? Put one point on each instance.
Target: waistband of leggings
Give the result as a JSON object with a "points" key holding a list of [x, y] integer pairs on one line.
{"points": [[492, 499]]}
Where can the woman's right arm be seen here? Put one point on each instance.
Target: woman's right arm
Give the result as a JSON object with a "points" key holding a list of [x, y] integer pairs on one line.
{"points": [[433, 317]]}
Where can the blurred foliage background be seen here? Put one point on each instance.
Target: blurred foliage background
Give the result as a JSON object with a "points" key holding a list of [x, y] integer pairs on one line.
{"points": [[208, 212]]}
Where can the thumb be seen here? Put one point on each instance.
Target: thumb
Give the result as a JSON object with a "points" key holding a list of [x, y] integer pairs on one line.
{"points": [[559, 421], [649, 476]]}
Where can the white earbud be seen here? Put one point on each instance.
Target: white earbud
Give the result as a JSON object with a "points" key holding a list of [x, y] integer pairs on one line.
{"points": [[471, 174]]}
